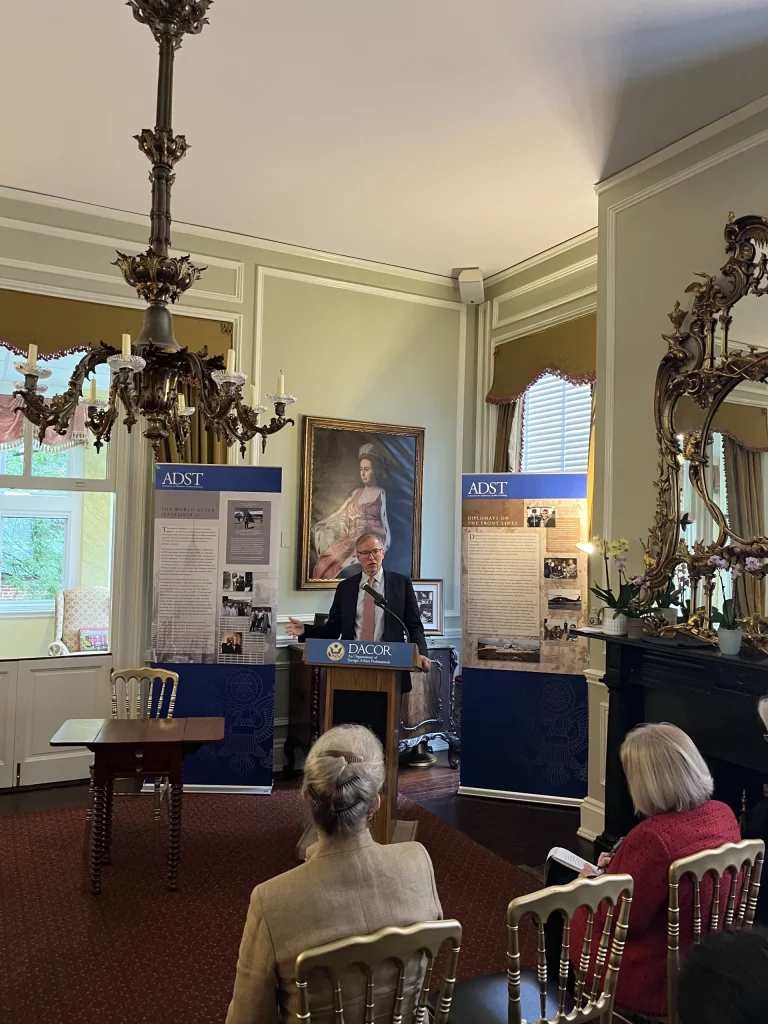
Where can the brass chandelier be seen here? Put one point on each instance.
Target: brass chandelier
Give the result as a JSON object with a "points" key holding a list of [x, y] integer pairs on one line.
{"points": [[146, 375]]}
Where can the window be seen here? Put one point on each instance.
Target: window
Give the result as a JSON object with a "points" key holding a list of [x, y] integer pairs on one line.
{"points": [[55, 505], [556, 425]]}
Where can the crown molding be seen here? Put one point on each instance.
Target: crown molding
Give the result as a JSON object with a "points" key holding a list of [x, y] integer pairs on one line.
{"points": [[231, 237], [542, 257], [709, 131]]}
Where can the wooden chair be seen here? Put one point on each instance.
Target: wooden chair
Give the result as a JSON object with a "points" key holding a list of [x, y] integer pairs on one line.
{"points": [[747, 857], [520, 996], [370, 952], [138, 693]]}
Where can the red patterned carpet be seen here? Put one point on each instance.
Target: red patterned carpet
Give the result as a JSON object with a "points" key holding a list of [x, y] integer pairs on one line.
{"points": [[141, 955]]}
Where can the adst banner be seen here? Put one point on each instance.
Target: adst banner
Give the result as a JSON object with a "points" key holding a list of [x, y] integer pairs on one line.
{"points": [[217, 543], [524, 592]]}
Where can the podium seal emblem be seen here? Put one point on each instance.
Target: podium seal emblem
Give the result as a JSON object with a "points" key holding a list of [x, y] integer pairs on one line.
{"points": [[335, 651]]}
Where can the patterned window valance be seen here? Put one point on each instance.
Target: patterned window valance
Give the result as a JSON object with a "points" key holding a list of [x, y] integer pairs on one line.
{"points": [[747, 424], [567, 351], [12, 426]]}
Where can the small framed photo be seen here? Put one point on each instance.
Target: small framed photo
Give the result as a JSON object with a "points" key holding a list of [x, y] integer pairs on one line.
{"points": [[429, 596]]}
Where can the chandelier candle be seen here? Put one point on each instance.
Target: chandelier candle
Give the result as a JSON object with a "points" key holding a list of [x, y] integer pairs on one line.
{"points": [[126, 346], [181, 403], [32, 355], [93, 390], [280, 383]]}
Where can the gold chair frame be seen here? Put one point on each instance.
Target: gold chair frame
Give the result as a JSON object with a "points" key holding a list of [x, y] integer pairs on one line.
{"points": [[590, 1003], [748, 855], [136, 703], [370, 951]]}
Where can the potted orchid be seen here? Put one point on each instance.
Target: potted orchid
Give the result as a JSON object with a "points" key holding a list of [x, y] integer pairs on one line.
{"points": [[667, 602], [729, 632], [618, 601]]}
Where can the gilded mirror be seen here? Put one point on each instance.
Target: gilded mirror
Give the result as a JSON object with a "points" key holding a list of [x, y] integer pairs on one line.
{"points": [[711, 415]]}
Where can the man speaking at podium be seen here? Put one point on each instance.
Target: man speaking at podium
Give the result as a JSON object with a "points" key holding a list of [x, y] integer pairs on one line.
{"points": [[355, 615]]}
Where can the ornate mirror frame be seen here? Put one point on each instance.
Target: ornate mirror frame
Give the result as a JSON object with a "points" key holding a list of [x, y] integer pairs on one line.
{"points": [[692, 366]]}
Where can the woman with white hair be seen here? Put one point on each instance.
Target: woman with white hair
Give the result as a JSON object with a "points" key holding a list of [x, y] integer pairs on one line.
{"points": [[671, 788], [348, 886]]}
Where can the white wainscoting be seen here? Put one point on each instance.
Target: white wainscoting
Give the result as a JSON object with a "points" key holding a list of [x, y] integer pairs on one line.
{"points": [[38, 696]]}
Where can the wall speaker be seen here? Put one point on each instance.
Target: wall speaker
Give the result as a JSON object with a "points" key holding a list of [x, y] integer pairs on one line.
{"points": [[471, 286]]}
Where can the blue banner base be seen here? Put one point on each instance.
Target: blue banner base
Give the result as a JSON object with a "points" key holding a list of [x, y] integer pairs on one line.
{"points": [[524, 735], [244, 696]]}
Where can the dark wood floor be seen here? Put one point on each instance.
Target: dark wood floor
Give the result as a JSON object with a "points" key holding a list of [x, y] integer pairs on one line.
{"points": [[519, 833]]}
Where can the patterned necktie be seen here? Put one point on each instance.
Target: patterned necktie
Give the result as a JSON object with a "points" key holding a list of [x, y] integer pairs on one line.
{"points": [[369, 614]]}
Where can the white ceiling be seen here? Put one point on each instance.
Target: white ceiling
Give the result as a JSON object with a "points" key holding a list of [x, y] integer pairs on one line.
{"points": [[431, 134]]}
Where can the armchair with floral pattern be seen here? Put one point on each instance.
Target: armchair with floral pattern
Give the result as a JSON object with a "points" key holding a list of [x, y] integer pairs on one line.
{"points": [[81, 608]]}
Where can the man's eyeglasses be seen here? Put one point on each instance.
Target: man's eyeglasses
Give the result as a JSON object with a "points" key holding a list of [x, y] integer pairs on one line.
{"points": [[368, 554]]}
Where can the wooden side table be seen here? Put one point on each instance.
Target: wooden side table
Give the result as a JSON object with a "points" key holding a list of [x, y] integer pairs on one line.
{"points": [[133, 748]]}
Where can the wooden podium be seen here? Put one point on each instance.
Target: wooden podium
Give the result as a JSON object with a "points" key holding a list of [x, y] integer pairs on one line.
{"points": [[363, 687]]}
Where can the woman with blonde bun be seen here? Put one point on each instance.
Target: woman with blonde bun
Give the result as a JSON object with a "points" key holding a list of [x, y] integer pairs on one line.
{"points": [[348, 886]]}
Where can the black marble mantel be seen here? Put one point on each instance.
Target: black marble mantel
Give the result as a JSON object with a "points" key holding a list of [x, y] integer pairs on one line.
{"points": [[711, 696]]}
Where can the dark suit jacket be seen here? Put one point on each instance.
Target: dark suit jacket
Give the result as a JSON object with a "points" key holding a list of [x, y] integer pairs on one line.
{"points": [[398, 591]]}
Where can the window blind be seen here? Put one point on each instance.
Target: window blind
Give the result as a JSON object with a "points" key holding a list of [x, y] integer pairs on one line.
{"points": [[556, 422]]}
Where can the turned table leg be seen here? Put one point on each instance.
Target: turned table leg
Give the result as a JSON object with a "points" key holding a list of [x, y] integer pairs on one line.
{"points": [[98, 835], [108, 804], [174, 834]]}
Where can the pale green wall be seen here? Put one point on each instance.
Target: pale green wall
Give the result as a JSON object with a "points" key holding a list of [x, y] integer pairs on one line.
{"points": [[361, 356], [320, 329]]}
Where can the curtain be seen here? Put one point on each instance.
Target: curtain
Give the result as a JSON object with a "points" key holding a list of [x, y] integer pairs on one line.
{"points": [[746, 516], [746, 424], [506, 416], [566, 350], [12, 426], [202, 446]]}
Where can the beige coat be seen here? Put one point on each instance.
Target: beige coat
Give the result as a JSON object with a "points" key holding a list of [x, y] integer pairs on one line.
{"points": [[348, 886]]}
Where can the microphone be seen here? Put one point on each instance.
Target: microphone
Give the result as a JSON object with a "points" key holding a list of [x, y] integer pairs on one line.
{"points": [[381, 601]]}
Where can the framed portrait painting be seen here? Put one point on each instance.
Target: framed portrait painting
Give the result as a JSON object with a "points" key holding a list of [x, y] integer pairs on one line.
{"points": [[358, 478], [429, 597]]}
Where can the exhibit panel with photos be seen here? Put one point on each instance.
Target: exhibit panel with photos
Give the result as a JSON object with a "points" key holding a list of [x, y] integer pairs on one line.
{"points": [[217, 544], [524, 596], [524, 578]]}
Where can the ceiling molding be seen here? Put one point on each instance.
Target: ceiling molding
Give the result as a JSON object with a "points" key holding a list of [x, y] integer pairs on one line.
{"points": [[552, 321], [541, 282], [542, 257], [231, 237], [709, 131], [533, 311]]}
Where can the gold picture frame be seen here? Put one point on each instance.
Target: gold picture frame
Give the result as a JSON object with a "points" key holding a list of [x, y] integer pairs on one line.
{"points": [[343, 463]]}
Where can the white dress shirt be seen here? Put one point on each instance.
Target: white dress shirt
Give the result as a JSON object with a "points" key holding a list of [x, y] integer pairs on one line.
{"points": [[378, 613]]}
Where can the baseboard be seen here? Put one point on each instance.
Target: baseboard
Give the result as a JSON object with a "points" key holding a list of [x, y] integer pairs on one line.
{"points": [[592, 818], [527, 798], [231, 790]]}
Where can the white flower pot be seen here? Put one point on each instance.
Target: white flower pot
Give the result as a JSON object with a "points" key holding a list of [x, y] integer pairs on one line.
{"points": [[614, 627], [729, 641], [670, 614]]}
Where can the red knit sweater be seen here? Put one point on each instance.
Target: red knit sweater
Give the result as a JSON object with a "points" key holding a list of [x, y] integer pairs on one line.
{"points": [[646, 855]]}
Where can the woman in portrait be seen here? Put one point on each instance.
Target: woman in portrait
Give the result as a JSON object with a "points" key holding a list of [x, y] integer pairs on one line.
{"points": [[363, 511]]}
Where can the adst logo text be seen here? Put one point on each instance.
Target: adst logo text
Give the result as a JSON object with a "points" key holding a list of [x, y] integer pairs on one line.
{"points": [[178, 479], [487, 488]]}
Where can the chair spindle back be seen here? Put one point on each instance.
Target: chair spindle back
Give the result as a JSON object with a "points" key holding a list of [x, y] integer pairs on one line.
{"points": [[398, 945], [591, 1002], [141, 693], [743, 861]]}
